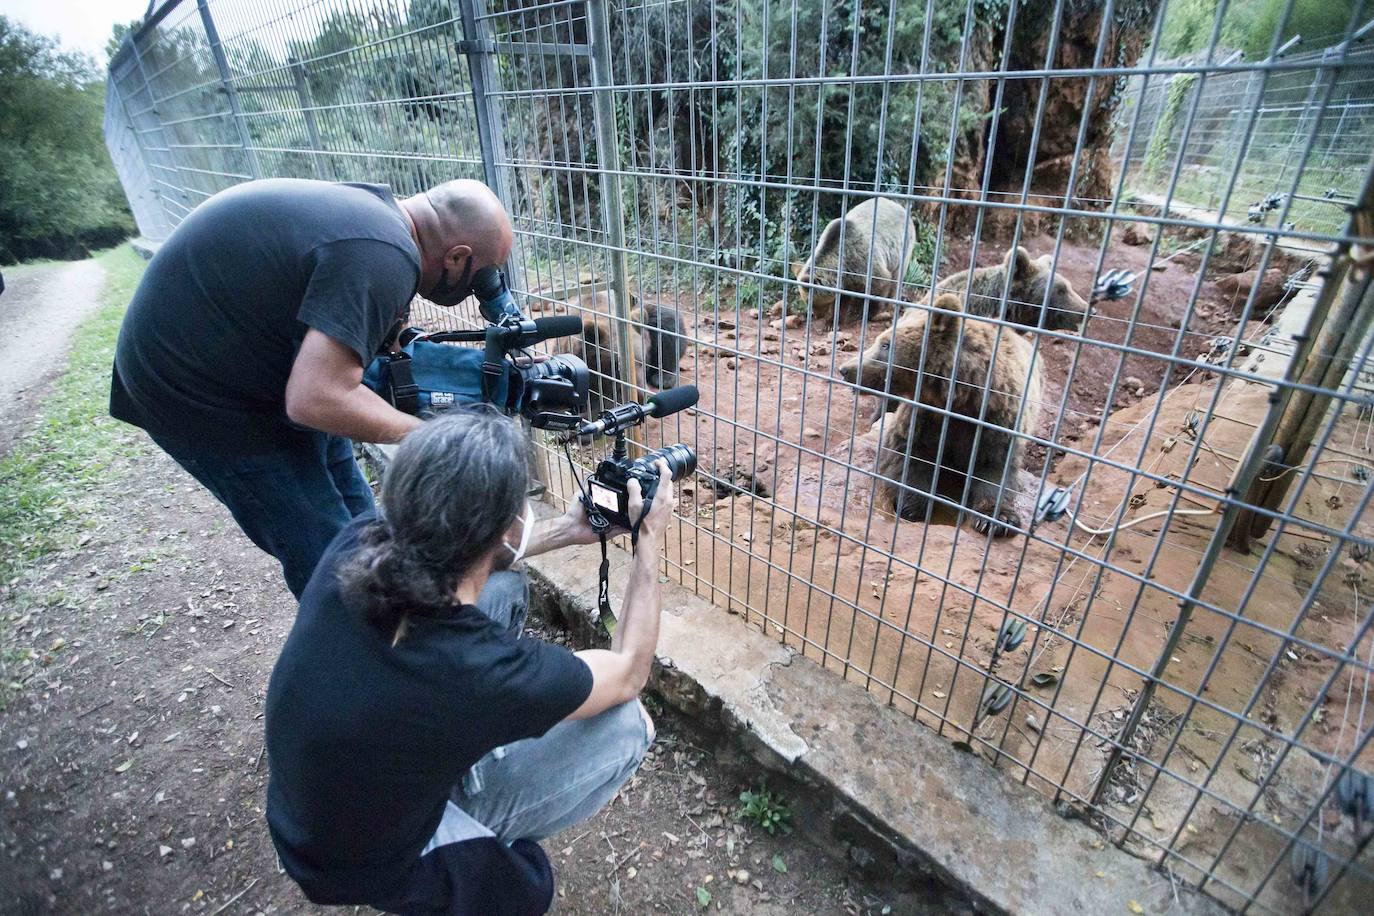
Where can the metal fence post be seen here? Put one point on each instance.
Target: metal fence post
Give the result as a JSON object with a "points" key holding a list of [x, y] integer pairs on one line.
{"points": [[226, 80], [478, 47], [161, 128], [1322, 357], [612, 215], [153, 206], [312, 128]]}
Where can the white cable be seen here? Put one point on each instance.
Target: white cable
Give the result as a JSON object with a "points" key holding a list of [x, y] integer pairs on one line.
{"points": [[1136, 521]]}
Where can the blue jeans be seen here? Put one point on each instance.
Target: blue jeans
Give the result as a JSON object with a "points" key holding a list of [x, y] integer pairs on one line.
{"points": [[292, 502], [534, 788]]}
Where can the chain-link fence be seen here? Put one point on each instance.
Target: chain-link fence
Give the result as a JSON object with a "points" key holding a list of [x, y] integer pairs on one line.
{"points": [[1298, 120], [1118, 552]]}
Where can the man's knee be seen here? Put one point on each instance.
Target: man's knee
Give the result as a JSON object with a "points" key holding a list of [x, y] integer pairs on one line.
{"points": [[633, 730], [506, 598]]}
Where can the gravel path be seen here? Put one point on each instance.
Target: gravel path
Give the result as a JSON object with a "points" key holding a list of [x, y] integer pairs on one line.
{"points": [[40, 308]]}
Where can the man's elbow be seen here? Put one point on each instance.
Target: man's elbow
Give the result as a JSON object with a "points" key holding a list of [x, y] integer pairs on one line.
{"points": [[637, 678], [302, 405]]}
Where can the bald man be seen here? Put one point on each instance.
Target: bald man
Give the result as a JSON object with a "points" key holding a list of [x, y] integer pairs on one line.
{"points": [[242, 352]]}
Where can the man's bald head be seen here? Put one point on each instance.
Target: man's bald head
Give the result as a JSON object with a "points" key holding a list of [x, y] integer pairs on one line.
{"points": [[452, 223]]}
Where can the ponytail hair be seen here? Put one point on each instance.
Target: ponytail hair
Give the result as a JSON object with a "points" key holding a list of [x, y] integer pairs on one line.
{"points": [[452, 490]]}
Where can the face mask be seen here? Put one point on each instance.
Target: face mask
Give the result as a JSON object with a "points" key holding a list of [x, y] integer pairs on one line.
{"points": [[450, 294], [526, 525]]}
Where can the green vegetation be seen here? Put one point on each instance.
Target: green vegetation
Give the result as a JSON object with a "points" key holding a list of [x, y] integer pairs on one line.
{"points": [[766, 809], [1249, 25], [45, 477], [1162, 139], [59, 197]]}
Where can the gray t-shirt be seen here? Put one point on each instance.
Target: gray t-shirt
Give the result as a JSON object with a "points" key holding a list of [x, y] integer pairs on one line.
{"points": [[210, 337]]}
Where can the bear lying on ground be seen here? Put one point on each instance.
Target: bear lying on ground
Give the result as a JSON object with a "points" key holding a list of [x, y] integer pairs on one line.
{"points": [[1004, 363], [877, 225], [655, 337], [1030, 278]]}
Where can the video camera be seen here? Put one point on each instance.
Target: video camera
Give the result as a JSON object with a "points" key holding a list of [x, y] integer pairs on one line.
{"points": [[427, 376], [607, 496]]}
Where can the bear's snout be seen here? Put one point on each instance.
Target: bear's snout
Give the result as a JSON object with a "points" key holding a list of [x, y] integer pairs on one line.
{"points": [[850, 371]]}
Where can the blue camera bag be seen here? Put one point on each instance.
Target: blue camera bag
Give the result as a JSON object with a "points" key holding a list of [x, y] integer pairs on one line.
{"points": [[434, 377]]}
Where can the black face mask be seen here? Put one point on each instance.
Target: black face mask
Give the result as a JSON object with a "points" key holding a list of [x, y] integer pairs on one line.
{"points": [[450, 294]]}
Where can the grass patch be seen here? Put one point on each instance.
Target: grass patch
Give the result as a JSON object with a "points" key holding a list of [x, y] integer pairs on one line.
{"points": [[49, 475]]}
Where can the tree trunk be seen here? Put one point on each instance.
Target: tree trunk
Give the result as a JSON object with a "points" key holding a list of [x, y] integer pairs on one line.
{"points": [[1069, 101]]}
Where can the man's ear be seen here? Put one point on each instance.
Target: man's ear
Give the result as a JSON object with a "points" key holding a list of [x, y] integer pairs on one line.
{"points": [[457, 256]]}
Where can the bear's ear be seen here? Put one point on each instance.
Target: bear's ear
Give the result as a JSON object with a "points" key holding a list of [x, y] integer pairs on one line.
{"points": [[1019, 260], [942, 320]]}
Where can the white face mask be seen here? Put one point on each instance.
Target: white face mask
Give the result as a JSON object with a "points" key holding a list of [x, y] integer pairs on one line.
{"points": [[526, 525]]}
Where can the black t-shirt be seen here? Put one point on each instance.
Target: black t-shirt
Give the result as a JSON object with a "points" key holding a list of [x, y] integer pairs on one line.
{"points": [[211, 334], [366, 740]]}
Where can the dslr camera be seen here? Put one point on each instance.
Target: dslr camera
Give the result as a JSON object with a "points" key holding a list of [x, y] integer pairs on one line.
{"points": [[427, 376], [606, 498]]}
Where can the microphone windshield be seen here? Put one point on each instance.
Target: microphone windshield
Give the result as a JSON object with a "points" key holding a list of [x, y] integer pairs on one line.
{"points": [[673, 400], [557, 326]]}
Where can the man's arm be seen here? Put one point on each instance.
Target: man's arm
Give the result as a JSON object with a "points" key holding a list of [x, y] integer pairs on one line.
{"points": [[620, 673], [325, 391]]}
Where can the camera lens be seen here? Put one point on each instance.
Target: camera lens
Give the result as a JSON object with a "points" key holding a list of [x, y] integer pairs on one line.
{"points": [[681, 460]]}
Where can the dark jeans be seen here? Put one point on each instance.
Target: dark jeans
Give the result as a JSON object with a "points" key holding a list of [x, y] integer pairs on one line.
{"points": [[292, 502]]}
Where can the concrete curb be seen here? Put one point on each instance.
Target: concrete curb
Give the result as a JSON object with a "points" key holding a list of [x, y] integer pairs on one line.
{"points": [[900, 799], [146, 248]]}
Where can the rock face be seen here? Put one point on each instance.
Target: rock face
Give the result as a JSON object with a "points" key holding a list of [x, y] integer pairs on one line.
{"points": [[1135, 235], [1237, 287]]}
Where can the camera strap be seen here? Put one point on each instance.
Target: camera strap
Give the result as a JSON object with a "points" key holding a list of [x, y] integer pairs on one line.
{"points": [[603, 588], [402, 391]]}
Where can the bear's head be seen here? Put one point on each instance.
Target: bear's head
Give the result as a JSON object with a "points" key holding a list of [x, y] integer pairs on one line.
{"points": [[1031, 279], [820, 275], [899, 347], [664, 343]]}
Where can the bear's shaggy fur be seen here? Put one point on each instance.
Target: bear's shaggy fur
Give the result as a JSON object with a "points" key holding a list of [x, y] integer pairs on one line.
{"points": [[1030, 278], [1003, 363], [657, 341], [877, 224]]}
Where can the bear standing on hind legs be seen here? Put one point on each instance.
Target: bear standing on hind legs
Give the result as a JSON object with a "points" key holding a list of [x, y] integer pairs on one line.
{"points": [[1005, 364]]}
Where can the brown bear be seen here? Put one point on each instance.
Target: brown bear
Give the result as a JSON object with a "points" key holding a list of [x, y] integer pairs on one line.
{"points": [[656, 339], [878, 226], [1004, 363], [1030, 278]]}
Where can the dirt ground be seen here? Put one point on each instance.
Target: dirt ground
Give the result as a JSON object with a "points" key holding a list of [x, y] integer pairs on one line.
{"points": [[789, 534], [132, 754]]}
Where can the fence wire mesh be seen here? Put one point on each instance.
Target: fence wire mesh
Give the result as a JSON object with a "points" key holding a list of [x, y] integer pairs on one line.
{"points": [[1032, 365]]}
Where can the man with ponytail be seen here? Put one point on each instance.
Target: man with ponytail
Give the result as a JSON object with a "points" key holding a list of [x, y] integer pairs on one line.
{"points": [[419, 745]]}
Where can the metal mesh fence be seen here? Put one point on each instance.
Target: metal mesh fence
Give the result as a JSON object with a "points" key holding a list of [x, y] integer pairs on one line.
{"points": [[1118, 551]]}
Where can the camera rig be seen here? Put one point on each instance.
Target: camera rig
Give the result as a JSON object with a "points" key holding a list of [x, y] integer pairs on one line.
{"points": [[426, 376], [606, 495]]}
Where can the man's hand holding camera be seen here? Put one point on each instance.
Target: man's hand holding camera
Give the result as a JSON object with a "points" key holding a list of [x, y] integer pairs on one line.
{"points": [[655, 523]]}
